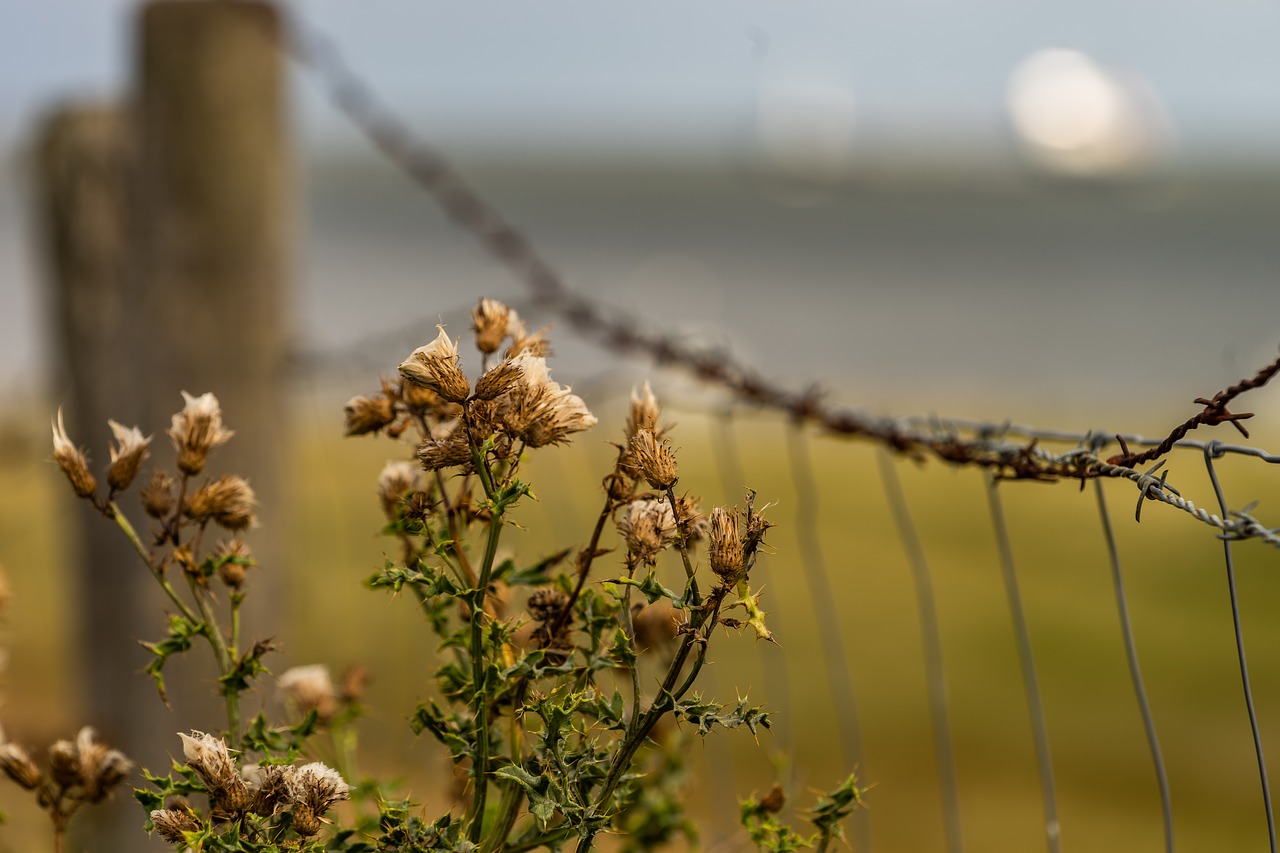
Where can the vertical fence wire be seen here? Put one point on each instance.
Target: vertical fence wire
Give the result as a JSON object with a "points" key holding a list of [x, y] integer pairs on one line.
{"points": [[935, 674], [1210, 451], [1135, 672], [1030, 681], [839, 673]]}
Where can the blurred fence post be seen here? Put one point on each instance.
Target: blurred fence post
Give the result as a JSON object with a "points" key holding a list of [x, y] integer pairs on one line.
{"points": [[167, 234], [213, 242], [85, 158]]}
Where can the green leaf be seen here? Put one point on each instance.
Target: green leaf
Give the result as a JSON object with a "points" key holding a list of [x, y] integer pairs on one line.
{"points": [[178, 640]]}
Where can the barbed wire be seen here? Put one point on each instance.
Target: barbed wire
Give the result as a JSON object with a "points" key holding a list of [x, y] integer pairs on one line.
{"points": [[955, 441]]}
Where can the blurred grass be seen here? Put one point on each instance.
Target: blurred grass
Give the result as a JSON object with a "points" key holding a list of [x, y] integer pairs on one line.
{"points": [[1107, 792]]}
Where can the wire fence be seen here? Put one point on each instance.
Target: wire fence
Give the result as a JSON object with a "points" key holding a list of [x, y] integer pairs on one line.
{"points": [[1000, 451]]}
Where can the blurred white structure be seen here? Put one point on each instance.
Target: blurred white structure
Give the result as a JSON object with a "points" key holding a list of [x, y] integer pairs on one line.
{"points": [[1076, 117]]}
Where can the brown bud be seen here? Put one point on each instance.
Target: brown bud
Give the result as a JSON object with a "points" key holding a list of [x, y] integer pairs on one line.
{"points": [[355, 679], [489, 320], [435, 366], [655, 460], [127, 455], [64, 763], [726, 554], [368, 414], [305, 820], [648, 527], [18, 766], [497, 380], [196, 430], [72, 461], [644, 412], [435, 454], [228, 501], [773, 801], [157, 494], [172, 823], [234, 559]]}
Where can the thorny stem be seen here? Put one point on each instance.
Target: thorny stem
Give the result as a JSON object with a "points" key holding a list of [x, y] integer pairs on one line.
{"points": [[132, 535], [508, 811], [475, 817], [226, 660], [552, 840], [586, 558]]}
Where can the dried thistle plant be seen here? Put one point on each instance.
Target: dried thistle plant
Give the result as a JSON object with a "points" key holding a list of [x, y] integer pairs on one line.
{"points": [[555, 737]]}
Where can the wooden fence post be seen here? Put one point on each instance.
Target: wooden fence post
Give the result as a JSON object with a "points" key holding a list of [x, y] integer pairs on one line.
{"points": [[213, 243], [167, 233], [83, 192]]}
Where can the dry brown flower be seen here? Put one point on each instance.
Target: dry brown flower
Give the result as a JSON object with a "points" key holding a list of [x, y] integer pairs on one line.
{"points": [[127, 455], [522, 342], [540, 411], [269, 787], [545, 605], [689, 513], [435, 454], [309, 688], [196, 430], [398, 479], [72, 461], [644, 412], [355, 679], [435, 366], [314, 789], [726, 554], [172, 823], [654, 459], [101, 768], [366, 415], [157, 494], [490, 320], [209, 757], [648, 526], [497, 380], [234, 559], [228, 501], [17, 765]]}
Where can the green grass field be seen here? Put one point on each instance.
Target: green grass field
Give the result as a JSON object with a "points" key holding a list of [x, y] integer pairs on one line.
{"points": [[1106, 787]]}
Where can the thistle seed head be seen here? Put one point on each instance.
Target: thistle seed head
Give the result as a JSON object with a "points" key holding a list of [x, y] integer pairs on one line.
{"points": [[173, 823], [522, 342], [17, 765], [72, 461], [490, 319], [228, 501], [435, 367], [209, 757], [196, 430], [309, 688], [497, 380], [366, 415], [157, 494], [454, 451], [644, 412], [398, 479], [314, 789], [647, 526], [268, 788], [127, 455], [540, 411], [654, 459], [726, 554]]}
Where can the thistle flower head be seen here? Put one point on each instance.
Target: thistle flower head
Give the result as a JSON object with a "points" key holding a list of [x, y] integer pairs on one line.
{"points": [[644, 412], [545, 605], [654, 459], [309, 688], [127, 455], [522, 342], [314, 789], [726, 553], [72, 461], [435, 367], [538, 410], [157, 495], [87, 766], [16, 763], [234, 559], [648, 526], [172, 824], [209, 757], [398, 479], [227, 501], [490, 319], [196, 430], [366, 415]]}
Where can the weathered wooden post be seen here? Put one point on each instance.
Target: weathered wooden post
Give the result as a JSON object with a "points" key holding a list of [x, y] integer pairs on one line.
{"points": [[214, 230], [168, 232]]}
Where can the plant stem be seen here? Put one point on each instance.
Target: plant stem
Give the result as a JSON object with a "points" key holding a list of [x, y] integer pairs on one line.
{"points": [[508, 811], [132, 535]]}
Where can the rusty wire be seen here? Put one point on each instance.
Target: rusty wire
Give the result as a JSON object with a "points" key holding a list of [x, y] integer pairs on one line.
{"points": [[960, 443]]}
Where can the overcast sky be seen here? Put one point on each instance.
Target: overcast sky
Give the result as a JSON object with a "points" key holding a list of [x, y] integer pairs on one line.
{"points": [[662, 72]]}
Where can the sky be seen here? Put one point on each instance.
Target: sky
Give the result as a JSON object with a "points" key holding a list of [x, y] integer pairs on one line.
{"points": [[915, 76]]}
